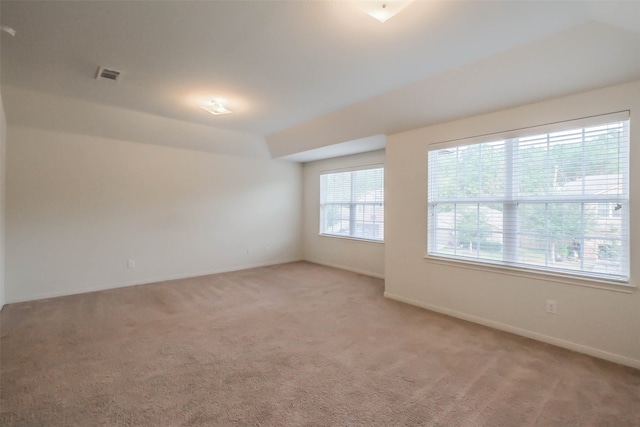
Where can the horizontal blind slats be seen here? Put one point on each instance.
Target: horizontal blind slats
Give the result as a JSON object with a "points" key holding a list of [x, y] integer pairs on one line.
{"points": [[352, 203], [539, 201]]}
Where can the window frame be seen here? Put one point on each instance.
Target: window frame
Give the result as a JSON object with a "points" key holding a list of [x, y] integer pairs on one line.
{"points": [[352, 206], [508, 265]]}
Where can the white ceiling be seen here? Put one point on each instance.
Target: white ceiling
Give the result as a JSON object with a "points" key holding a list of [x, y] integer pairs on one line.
{"points": [[304, 75]]}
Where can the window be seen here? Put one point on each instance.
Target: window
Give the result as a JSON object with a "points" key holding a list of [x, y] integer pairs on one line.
{"points": [[552, 198], [352, 203]]}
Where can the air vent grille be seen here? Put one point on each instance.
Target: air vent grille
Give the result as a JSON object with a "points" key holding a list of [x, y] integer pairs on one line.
{"points": [[108, 74]]}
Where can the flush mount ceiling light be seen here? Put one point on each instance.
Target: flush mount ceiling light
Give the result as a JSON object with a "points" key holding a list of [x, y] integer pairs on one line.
{"points": [[215, 108], [8, 30], [383, 10]]}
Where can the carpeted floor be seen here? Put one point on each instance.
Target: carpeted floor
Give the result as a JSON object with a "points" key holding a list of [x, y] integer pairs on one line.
{"points": [[290, 345]]}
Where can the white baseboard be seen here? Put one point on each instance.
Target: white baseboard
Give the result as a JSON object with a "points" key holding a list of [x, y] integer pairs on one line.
{"points": [[601, 354], [346, 268], [84, 290]]}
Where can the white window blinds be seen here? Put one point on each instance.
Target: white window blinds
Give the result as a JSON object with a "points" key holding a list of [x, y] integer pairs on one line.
{"points": [[352, 203], [552, 198]]}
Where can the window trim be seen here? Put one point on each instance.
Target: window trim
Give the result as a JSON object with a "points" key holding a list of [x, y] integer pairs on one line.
{"points": [[504, 266], [549, 276], [356, 239]]}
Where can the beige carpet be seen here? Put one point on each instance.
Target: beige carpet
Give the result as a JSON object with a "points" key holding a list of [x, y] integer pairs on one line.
{"points": [[290, 345]]}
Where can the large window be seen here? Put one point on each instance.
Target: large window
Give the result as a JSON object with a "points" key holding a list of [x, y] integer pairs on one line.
{"points": [[552, 198], [352, 203]]}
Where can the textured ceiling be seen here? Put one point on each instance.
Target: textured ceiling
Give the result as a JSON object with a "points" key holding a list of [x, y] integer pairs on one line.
{"points": [[303, 75]]}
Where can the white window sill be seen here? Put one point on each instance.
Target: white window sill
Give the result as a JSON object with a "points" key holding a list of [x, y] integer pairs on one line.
{"points": [[535, 274], [358, 239]]}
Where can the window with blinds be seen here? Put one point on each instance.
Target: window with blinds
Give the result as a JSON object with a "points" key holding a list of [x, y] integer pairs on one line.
{"points": [[352, 203], [552, 198]]}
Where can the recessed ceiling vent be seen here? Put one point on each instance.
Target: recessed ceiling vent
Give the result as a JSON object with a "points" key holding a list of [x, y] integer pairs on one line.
{"points": [[108, 74]]}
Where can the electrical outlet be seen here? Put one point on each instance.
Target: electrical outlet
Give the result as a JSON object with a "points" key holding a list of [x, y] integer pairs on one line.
{"points": [[552, 306], [131, 263]]}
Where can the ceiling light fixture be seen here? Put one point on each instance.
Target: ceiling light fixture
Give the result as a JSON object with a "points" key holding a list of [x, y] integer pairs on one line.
{"points": [[215, 108], [383, 10], [8, 30]]}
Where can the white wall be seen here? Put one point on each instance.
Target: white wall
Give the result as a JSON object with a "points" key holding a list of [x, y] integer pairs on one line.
{"points": [[78, 207], [34, 109], [349, 254], [3, 156], [601, 322]]}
